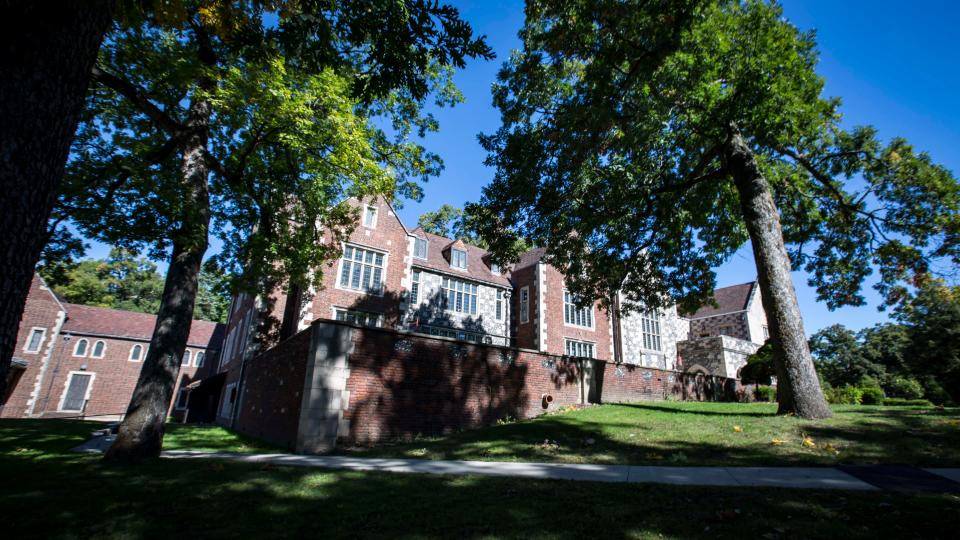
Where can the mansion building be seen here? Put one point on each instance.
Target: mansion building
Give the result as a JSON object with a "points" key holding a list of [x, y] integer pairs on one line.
{"points": [[410, 280]]}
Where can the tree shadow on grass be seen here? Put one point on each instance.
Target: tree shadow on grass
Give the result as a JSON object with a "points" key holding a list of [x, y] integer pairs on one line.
{"points": [[699, 412], [248, 500]]}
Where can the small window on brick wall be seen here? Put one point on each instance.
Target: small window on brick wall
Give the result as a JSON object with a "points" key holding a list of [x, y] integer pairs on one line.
{"points": [[576, 348]]}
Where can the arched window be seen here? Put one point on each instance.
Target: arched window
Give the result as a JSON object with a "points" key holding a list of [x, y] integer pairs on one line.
{"points": [[81, 348], [136, 352], [198, 360], [98, 349], [185, 361]]}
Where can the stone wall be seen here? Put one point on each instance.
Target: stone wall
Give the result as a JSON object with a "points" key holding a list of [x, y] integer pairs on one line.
{"points": [[717, 355], [673, 328]]}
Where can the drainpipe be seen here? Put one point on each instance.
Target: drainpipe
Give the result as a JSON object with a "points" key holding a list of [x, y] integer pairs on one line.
{"points": [[617, 333]]}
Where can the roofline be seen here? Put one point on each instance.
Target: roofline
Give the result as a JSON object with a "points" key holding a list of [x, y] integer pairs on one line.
{"points": [[126, 338], [717, 315], [53, 294], [460, 276]]}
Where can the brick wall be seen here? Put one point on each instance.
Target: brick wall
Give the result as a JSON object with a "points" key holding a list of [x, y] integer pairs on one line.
{"points": [[367, 385], [273, 391], [558, 331], [41, 311]]}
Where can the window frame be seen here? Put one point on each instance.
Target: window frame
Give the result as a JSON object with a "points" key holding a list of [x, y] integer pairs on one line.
{"points": [[426, 248], [43, 336], [498, 305], [415, 280], [567, 342], [524, 304], [103, 351], [453, 258], [86, 347], [383, 269], [370, 210], [187, 359], [199, 358], [378, 317], [139, 357], [468, 294], [66, 387], [570, 308], [176, 404], [651, 331]]}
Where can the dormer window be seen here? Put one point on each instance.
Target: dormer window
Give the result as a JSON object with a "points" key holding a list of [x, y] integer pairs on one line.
{"points": [[420, 248], [495, 268], [370, 217], [458, 258]]}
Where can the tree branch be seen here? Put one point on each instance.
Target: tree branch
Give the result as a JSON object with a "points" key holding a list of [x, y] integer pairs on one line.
{"points": [[138, 98]]}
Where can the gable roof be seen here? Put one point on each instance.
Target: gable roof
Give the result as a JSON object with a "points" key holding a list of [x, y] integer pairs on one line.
{"points": [[530, 258], [107, 322], [729, 300], [477, 267]]}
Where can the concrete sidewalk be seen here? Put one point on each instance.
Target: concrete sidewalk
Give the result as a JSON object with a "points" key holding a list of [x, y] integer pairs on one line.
{"points": [[784, 477]]}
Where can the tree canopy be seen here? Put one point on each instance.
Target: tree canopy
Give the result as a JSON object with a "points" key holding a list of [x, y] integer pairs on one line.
{"points": [[643, 143]]}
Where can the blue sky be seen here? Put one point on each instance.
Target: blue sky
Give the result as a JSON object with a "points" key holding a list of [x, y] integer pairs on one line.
{"points": [[895, 65]]}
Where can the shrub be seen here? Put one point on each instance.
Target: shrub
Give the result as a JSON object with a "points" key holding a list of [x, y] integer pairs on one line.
{"points": [[906, 388], [901, 402], [871, 395], [766, 393], [845, 395]]}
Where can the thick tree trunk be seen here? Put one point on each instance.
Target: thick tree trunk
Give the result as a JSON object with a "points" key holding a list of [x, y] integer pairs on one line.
{"points": [[47, 51], [798, 389], [141, 433]]}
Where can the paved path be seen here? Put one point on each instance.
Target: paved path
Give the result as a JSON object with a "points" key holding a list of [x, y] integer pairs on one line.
{"points": [[787, 477], [887, 477]]}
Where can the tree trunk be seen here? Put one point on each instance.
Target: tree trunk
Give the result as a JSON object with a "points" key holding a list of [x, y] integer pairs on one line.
{"points": [[48, 49], [141, 433], [798, 389]]}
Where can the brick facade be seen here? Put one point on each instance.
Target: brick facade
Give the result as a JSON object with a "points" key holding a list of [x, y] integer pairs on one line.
{"points": [[105, 361], [367, 385]]}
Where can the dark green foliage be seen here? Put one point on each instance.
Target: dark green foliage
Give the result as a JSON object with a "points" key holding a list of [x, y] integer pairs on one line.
{"points": [[932, 321], [905, 388], [847, 394], [451, 222], [766, 393], [839, 358], [871, 395], [759, 368], [901, 402]]}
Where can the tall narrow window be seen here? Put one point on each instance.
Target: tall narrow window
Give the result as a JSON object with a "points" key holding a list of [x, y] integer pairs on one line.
{"points": [[459, 296], [650, 326], [499, 305], [766, 332], [81, 348], [415, 289], [198, 359], [185, 359], [182, 397], [458, 258], [370, 217], [36, 339], [494, 268], [420, 248], [98, 349], [76, 393], [574, 315], [361, 270], [579, 349], [525, 305], [136, 352]]}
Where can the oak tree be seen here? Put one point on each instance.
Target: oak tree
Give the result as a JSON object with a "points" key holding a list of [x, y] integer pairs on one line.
{"points": [[253, 121], [644, 142]]}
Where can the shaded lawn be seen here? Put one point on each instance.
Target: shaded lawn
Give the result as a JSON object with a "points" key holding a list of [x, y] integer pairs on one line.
{"points": [[692, 433], [47, 492], [52, 434]]}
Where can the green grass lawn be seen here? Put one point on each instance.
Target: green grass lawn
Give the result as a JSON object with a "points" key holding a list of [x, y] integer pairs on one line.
{"points": [[691, 433], [48, 492]]}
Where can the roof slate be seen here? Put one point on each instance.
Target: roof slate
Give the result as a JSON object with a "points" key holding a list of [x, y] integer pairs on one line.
{"points": [[477, 263], [128, 324], [729, 300]]}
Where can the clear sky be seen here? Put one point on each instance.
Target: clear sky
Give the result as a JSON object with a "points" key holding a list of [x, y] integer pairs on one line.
{"points": [[896, 66]]}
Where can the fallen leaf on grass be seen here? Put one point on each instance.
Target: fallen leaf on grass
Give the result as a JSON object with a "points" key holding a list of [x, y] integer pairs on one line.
{"points": [[776, 442], [829, 448], [738, 429], [808, 442]]}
